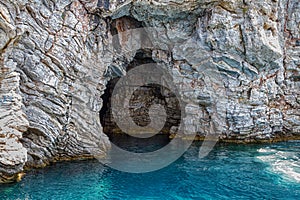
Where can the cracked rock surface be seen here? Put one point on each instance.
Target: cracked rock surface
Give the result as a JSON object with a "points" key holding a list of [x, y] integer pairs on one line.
{"points": [[236, 63]]}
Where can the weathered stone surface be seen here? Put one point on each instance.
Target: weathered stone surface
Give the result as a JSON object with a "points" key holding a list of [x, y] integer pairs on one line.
{"points": [[50, 67], [13, 154], [236, 63]]}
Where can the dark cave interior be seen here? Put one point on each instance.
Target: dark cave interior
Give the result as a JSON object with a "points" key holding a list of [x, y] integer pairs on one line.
{"points": [[145, 95]]}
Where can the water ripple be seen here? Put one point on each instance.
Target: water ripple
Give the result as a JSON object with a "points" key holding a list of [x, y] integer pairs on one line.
{"points": [[228, 172]]}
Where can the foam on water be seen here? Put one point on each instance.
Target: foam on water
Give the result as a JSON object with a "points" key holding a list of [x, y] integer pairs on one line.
{"points": [[228, 172], [282, 162]]}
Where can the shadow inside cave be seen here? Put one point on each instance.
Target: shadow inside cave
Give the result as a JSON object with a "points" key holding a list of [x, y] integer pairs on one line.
{"points": [[145, 96]]}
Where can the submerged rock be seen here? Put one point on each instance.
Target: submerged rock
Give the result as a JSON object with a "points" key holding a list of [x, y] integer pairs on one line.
{"points": [[236, 63]]}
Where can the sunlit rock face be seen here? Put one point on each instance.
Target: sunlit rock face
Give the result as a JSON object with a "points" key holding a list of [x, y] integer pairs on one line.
{"points": [[52, 68], [56, 58]]}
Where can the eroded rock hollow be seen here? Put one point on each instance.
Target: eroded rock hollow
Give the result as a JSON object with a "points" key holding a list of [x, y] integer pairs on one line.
{"points": [[236, 63]]}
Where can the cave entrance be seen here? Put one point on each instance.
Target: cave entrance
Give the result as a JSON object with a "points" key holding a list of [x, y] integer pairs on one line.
{"points": [[145, 96]]}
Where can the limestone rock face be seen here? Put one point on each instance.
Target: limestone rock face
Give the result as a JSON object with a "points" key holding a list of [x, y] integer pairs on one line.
{"points": [[13, 154], [51, 83], [236, 63]]}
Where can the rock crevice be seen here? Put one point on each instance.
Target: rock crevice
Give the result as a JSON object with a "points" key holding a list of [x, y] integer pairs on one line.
{"points": [[56, 58]]}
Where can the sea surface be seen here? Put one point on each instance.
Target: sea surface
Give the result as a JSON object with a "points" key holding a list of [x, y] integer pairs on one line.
{"points": [[268, 171]]}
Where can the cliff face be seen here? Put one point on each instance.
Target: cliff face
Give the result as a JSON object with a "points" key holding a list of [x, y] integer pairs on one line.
{"points": [[56, 58]]}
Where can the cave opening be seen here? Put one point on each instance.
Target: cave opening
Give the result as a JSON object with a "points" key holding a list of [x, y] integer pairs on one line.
{"points": [[144, 96]]}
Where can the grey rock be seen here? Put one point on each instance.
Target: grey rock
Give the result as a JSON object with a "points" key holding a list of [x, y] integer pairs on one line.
{"points": [[236, 64]]}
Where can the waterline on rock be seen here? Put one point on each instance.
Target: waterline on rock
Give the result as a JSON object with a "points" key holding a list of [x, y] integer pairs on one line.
{"points": [[228, 172]]}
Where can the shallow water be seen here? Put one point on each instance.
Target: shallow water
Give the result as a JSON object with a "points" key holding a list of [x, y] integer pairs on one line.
{"points": [[229, 172]]}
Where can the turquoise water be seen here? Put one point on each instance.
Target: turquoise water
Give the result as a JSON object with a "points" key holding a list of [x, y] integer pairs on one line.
{"points": [[229, 172]]}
